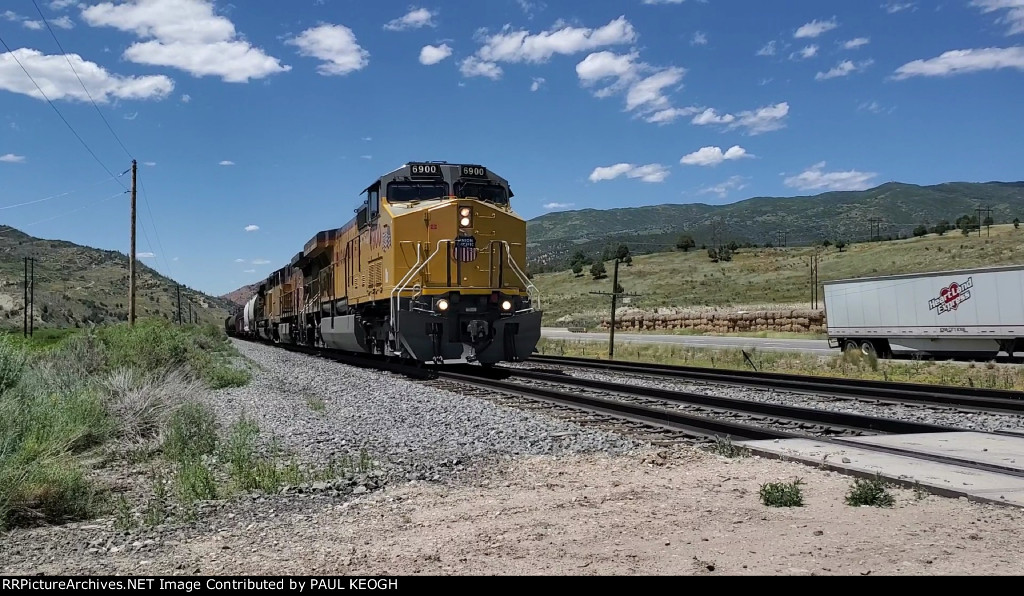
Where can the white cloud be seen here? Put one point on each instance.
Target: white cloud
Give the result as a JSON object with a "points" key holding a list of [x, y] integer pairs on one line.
{"points": [[710, 116], [963, 61], [260, 262], [251, 228], [249, 271], [723, 189], [755, 122], [63, 22], [712, 156], [805, 53], [175, 259], [475, 67], [149, 163], [366, 157], [815, 178], [59, 82], [145, 255], [855, 43], [644, 85], [239, 260], [649, 173], [537, 83], [414, 19], [433, 54], [131, 116], [874, 107], [894, 7], [12, 158], [186, 98], [514, 46], [187, 35], [62, 4], [558, 205], [367, 139], [767, 49], [670, 115], [816, 28], [1014, 16], [226, 163], [844, 68], [335, 45], [530, 8], [699, 39], [664, 1]]}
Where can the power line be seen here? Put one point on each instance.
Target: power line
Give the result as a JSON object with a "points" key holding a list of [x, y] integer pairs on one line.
{"points": [[65, 120], [52, 197], [91, 100], [145, 199]]}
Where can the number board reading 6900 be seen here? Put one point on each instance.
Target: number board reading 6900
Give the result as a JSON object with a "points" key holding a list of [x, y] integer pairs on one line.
{"points": [[424, 169], [474, 172]]}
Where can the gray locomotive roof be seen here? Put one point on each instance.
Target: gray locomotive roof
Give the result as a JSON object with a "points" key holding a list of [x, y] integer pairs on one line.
{"points": [[927, 274]]}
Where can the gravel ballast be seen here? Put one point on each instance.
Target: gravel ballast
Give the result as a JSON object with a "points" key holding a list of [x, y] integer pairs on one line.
{"points": [[928, 414], [322, 410]]}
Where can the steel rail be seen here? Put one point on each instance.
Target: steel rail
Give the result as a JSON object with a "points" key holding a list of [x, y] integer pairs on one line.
{"points": [[962, 397], [797, 413]]}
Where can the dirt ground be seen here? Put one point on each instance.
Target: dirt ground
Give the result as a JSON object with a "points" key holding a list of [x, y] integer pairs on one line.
{"points": [[675, 512]]}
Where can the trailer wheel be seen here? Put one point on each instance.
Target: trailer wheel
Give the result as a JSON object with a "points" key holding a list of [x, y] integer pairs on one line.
{"points": [[851, 345], [867, 347]]}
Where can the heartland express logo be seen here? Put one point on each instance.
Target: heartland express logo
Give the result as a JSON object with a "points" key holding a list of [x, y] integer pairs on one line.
{"points": [[952, 296]]}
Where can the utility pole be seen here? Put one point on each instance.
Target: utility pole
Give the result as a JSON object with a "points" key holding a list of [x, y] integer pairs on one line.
{"points": [[814, 279], [615, 293], [189, 312], [32, 297], [25, 314], [876, 229], [988, 214], [179, 304], [131, 256]]}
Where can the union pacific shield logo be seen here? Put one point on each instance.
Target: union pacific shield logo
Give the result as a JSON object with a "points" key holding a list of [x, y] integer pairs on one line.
{"points": [[465, 250]]}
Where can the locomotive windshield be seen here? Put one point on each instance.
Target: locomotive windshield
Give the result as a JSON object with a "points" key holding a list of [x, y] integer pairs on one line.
{"points": [[401, 192], [489, 193]]}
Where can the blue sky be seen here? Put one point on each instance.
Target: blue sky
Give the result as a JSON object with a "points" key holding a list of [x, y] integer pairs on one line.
{"points": [[256, 124]]}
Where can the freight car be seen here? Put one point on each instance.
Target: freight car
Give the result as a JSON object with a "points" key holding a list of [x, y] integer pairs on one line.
{"points": [[430, 269]]}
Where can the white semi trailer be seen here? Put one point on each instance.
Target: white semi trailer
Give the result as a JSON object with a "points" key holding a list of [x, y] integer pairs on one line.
{"points": [[973, 312]]}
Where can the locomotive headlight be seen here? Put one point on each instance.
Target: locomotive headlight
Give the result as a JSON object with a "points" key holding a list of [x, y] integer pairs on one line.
{"points": [[465, 211], [465, 217], [442, 305], [464, 222], [506, 305]]}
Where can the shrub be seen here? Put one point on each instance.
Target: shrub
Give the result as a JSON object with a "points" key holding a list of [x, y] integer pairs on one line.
{"points": [[869, 492], [12, 363], [192, 433], [782, 494]]}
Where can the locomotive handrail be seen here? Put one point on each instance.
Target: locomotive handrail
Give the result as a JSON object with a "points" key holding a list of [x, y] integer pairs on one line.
{"points": [[531, 289], [402, 286]]}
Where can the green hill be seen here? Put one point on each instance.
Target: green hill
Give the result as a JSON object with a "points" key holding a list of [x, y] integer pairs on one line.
{"points": [[806, 219], [761, 279], [78, 285]]}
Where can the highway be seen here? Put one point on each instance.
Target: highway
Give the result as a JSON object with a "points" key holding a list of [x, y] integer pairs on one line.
{"points": [[813, 346]]}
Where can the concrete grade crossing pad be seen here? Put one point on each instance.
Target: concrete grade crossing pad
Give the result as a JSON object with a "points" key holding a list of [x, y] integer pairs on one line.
{"points": [[856, 456]]}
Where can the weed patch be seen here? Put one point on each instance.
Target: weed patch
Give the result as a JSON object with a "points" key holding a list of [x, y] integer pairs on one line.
{"points": [[869, 493], [782, 494]]}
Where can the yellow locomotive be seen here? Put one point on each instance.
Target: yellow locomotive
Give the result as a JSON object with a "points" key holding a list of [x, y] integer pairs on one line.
{"points": [[430, 269]]}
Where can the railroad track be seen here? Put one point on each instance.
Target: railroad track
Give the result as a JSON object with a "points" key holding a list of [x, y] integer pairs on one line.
{"points": [[970, 398]]}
